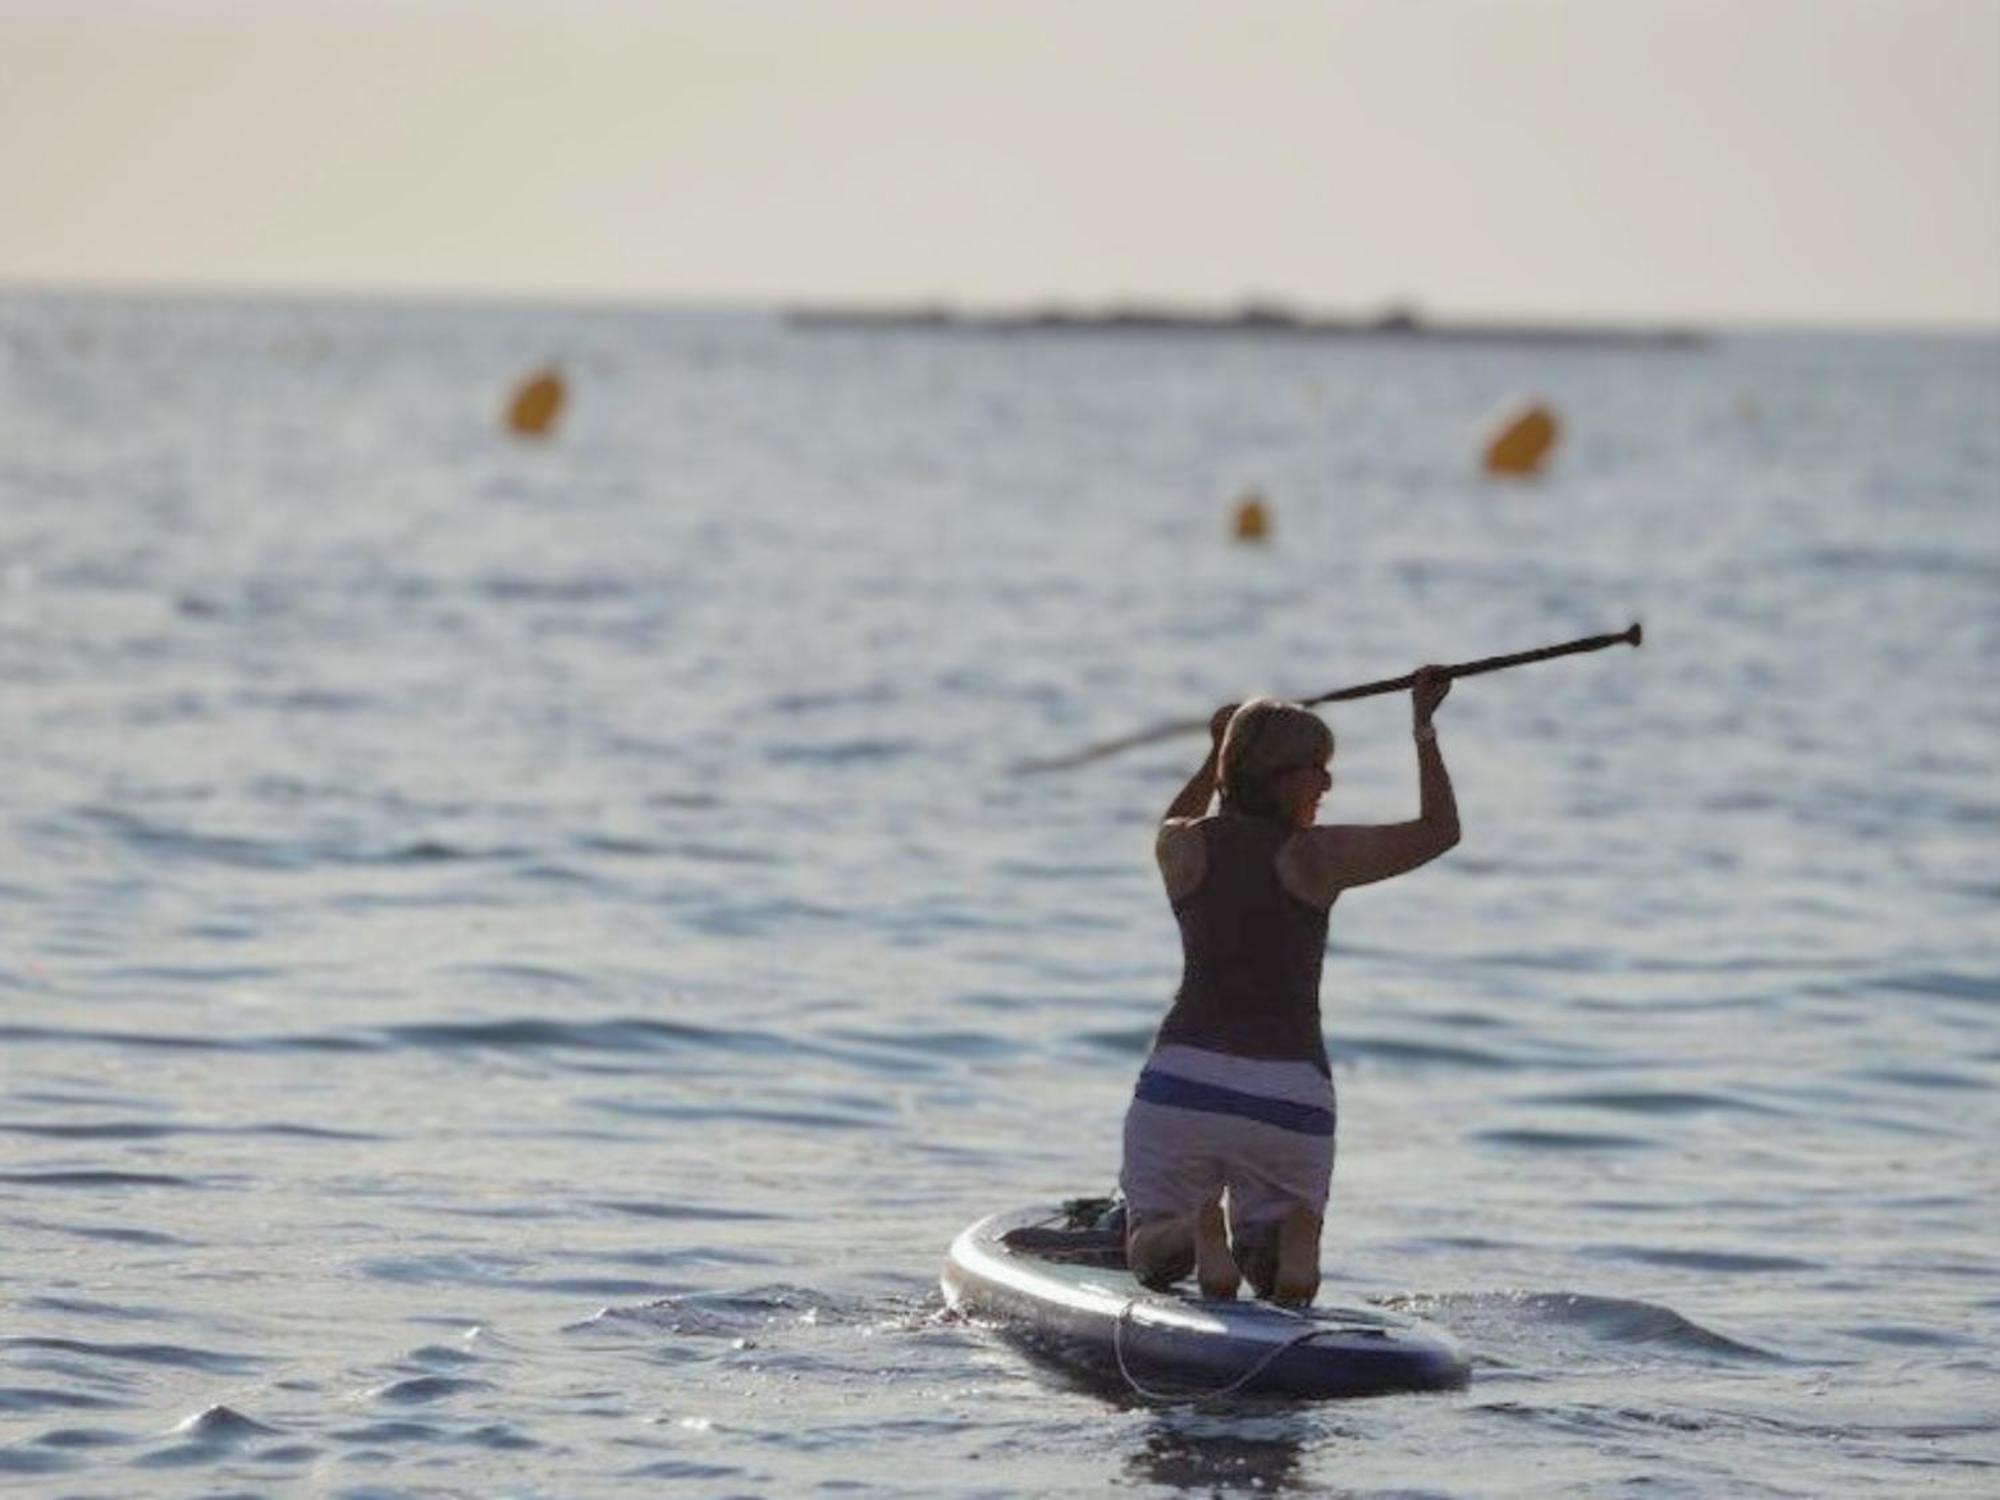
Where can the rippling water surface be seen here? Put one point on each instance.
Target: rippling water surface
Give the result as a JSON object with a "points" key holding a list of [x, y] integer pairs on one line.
{"points": [[515, 960]]}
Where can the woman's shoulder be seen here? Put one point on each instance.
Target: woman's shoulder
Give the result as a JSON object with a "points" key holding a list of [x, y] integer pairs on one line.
{"points": [[1177, 834], [1211, 830], [1180, 848]]}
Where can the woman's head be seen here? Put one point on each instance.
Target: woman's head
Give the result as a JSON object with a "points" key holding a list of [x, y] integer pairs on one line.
{"points": [[1273, 761]]}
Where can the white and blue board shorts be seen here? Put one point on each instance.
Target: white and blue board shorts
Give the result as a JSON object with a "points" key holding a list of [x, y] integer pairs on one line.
{"points": [[1202, 1124]]}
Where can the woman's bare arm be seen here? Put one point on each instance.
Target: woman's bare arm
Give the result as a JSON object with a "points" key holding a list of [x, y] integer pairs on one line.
{"points": [[1179, 851], [1192, 800], [1323, 862]]}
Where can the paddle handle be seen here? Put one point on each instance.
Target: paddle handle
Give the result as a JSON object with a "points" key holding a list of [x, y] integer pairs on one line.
{"points": [[1630, 637]]}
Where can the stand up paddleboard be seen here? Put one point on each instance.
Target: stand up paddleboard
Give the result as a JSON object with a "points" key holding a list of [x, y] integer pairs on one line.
{"points": [[1055, 1277]]}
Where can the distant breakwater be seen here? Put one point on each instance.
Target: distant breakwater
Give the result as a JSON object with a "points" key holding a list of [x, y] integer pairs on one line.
{"points": [[1400, 325]]}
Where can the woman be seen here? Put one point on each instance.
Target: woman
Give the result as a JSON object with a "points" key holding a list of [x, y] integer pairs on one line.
{"points": [[1237, 1096]]}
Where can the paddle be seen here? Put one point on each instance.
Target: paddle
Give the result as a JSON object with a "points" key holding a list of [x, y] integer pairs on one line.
{"points": [[1631, 637]]}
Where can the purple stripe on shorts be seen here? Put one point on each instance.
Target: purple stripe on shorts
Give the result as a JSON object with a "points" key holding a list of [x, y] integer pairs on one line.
{"points": [[1185, 1093]]}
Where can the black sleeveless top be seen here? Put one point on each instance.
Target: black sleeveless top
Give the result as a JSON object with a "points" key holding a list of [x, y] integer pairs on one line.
{"points": [[1251, 951]]}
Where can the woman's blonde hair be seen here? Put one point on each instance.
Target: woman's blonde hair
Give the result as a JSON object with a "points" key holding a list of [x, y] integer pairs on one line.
{"points": [[1267, 737]]}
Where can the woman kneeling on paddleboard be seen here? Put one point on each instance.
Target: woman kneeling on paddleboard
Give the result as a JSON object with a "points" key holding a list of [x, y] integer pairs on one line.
{"points": [[1237, 1095]]}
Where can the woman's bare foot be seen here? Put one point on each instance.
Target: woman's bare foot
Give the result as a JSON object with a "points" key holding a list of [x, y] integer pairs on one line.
{"points": [[1297, 1281], [1215, 1268], [1161, 1251]]}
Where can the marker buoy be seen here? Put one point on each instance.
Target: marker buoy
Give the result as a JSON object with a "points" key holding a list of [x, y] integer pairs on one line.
{"points": [[537, 402], [1522, 441], [1251, 520]]}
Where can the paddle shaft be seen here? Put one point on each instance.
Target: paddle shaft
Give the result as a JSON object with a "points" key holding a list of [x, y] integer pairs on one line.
{"points": [[1631, 637]]}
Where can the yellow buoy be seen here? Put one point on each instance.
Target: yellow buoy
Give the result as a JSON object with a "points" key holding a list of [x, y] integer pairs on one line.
{"points": [[1251, 520], [1522, 441], [537, 402]]}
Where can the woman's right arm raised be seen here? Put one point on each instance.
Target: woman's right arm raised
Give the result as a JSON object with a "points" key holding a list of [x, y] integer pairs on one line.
{"points": [[1178, 848]]}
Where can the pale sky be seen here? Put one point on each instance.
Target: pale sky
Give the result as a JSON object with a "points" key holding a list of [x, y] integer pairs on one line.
{"points": [[1743, 160]]}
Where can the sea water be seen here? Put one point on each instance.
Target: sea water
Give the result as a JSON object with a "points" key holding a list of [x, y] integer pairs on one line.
{"points": [[516, 958]]}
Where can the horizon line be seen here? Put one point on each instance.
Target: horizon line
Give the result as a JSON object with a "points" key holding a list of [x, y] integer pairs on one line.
{"points": [[607, 300]]}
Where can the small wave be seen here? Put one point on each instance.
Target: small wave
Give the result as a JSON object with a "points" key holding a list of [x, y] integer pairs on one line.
{"points": [[500, 1438], [27, 1398], [1471, 1020], [1508, 1321], [1905, 1336], [611, 1286], [248, 851], [1922, 1078], [799, 1119], [443, 1269], [545, 873], [461, 1271], [728, 1315], [177, 1356], [697, 851], [1923, 562], [19, 1460], [84, 1307], [1653, 1102], [434, 852], [222, 1424], [1983, 989], [1600, 1424], [418, 1390], [756, 920], [96, 1179], [56, 1034], [138, 1130], [1127, 1041], [588, 588], [1566, 960], [1036, 869], [970, 1045], [78, 1438], [394, 1433], [1419, 1054], [1459, 1242], [538, 977], [1703, 1260], [873, 695], [535, 1035], [197, 974], [441, 1356], [237, 850], [289, 1454], [682, 1469], [309, 1042], [678, 1257], [1562, 1140], [113, 1235], [517, 1211], [604, 843], [841, 752], [306, 700], [701, 1213]]}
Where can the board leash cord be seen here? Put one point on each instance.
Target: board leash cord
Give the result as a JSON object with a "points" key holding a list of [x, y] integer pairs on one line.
{"points": [[1178, 1398]]}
